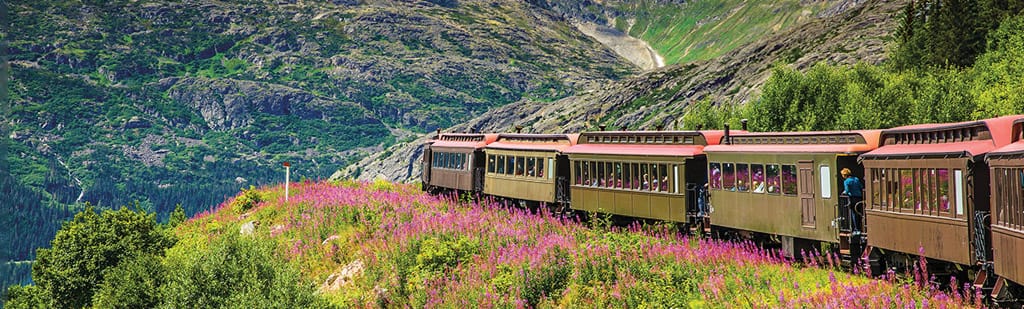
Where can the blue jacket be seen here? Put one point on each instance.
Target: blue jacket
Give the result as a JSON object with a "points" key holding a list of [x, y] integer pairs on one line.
{"points": [[853, 187]]}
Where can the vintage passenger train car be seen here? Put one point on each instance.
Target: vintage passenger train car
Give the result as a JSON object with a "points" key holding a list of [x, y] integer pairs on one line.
{"points": [[952, 192], [787, 185]]}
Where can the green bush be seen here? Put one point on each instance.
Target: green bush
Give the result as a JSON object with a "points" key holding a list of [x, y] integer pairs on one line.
{"points": [[134, 283], [234, 271], [247, 200]]}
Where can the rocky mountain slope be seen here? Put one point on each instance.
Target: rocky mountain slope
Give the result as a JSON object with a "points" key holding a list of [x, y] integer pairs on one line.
{"points": [[167, 93], [162, 102], [853, 31]]}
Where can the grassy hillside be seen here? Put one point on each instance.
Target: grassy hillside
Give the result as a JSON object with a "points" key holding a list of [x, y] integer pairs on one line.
{"points": [[701, 30], [687, 31], [370, 244]]}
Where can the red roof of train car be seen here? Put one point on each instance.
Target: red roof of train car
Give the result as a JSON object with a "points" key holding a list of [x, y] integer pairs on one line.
{"points": [[1011, 149], [1000, 129], [969, 148], [457, 140], [562, 141], [711, 137], [871, 140], [638, 150]]}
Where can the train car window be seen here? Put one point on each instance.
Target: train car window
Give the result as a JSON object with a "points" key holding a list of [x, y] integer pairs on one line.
{"points": [[654, 177], [577, 173], [742, 177], [510, 165], [663, 178], [958, 180], [927, 190], [627, 176], [551, 168], [825, 173], [618, 175], [516, 165], [501, 164], [675, 178], [789, 181], [942, 175], [593, 174], [876, 180], [540, 168], [757, 178], [491, 164], [774, 184], [729, 176], [600, 181], [588, 173], [645, 176], [1018, 195], [609, 175], [531, 166], [637, 177], [907, 190], [715, 175]]}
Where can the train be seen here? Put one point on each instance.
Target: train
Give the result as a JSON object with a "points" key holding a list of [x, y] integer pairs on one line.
{"points": [[950, 193]]}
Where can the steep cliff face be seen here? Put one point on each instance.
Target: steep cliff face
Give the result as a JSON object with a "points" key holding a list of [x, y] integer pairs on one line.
{"points": [[227, 104], [857, 34]]}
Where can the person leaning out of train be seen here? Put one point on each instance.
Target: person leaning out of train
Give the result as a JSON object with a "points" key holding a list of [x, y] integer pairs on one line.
{"points": [[853, 188]]}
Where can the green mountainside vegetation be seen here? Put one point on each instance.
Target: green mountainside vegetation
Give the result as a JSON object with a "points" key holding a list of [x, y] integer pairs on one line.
{"points": [[686, 31], [160, 102], [952, 61]]}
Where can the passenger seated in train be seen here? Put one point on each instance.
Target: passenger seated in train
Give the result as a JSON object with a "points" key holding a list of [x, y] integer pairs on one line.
{"points": [[758, 186], [664, 184]]}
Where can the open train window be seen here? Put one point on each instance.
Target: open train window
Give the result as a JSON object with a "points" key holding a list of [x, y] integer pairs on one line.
{"points": [[774, 184], [729, 176], [714, 175], [490, 164], [757, 178], [628, 180], [662, 178], [789, 181], [742, 177], [520, 161]]}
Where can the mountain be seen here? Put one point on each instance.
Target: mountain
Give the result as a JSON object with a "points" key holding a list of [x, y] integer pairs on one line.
{"points": [[173, 87], [850, 32], [153, 103]]}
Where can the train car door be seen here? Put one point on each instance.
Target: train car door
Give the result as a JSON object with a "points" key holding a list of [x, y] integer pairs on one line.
{"points": [[805, 181]]}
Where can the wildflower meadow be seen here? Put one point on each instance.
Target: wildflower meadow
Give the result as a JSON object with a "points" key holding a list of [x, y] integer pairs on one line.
{"points": [[370, 244]]}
